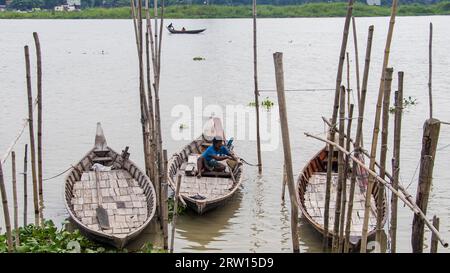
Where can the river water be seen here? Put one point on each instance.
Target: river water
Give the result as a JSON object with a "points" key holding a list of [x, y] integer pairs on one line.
{"points": [[90, 75]]}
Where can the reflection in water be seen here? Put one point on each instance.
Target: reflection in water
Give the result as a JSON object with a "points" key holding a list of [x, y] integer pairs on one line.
{"points": [[198, 232], [285, 228], [257, 226]]}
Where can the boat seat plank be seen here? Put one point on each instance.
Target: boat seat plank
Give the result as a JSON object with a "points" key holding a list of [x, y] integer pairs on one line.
{"points": [[209, 187]]}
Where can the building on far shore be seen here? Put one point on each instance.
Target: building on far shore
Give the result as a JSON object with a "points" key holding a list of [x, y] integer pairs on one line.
{"points": [[2, 7], [71, 5], [373, 2]]}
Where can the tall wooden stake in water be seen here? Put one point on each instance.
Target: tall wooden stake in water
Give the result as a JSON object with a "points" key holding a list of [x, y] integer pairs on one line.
{"points": [[434, 240], [164, 204], [348, 82], [376, 128], [344, 184], [396, 161], [6, 210], [355, 42], [429, 142], [255, 78], [39, 121], [358, 139], [25, 188], [337, 210], [383, 153], [16, 207], [430, 66], [279, 76], [175, 212], [333, 120], [31, 131]]}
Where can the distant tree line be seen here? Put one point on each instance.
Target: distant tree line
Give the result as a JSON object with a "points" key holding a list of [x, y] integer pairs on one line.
{"points": [[50, 4]]}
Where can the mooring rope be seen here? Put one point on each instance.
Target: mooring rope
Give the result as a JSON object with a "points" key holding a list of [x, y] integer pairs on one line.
{"points": [[53, 177]]}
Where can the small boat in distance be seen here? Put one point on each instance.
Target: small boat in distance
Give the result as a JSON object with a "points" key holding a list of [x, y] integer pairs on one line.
{"points": [[107, 196], [183, 30], [213, 188], [311, 195]]}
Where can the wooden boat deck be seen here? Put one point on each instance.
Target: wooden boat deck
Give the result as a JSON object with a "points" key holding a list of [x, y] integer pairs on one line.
{"points": [[314, 201], [208, 187], [122, 197]]}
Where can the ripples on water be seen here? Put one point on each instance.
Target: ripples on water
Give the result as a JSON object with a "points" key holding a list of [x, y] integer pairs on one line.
{"points": [[90, 75]]}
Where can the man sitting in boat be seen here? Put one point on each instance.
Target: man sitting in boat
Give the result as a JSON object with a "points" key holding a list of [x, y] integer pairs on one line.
{"points": [[183, 29], [211, 157]]}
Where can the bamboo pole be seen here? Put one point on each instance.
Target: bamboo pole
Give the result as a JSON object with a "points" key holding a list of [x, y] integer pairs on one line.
{"points": [[337, 210], [39, 118], [333, 120], [383, 154], [348, 82], [175, 212], [164, 205], [31, 131], [344, 183], [429, 142], [396, 161], [406, 199], [434, 241], [355, 42], [430, 66], [256, 91], [25, 190], [359, 136], [279, 76], [373, 150], [6, 210], [283, 191], [16, 207]]}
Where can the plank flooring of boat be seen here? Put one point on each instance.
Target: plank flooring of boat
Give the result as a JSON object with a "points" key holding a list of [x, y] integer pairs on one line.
{"points": [[209, 187], [122, 198], [315, 202]]}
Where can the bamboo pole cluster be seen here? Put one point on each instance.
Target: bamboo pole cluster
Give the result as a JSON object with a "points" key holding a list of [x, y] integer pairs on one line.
{"points": [[148, 44]]}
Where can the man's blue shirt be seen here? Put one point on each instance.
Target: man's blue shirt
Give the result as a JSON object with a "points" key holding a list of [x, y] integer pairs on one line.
{"points": [[208, 153]]}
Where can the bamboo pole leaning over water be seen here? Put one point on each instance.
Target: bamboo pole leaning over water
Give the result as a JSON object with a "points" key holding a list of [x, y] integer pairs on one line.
{"points": [[355, 42], [430, 138], [348, 82], [383, 154], [359, 136], [256, 91], [279, 77], [337, 210], [430, 66], [31, 131], [396, 161], [175, 212], [16, 207], [164, 204], [6, 216], [344, 185], [434, 241], [333, 121], [39, 118], [373, 150], [25, 190]]}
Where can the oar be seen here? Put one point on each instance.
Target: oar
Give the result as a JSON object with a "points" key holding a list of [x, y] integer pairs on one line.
{"points": [[102, 214]]}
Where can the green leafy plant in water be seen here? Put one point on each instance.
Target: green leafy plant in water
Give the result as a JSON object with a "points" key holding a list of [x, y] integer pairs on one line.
{"points": [[49, 239], [171, 204], [183, 126], [407, 104], [198, 59], [266, 103]]}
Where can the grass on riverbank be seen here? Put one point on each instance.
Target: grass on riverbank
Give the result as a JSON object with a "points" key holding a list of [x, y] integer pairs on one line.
{"points": [[264, 11]]}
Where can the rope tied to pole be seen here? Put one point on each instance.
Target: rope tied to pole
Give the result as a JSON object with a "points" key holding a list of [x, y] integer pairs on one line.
{"points": [[55, 176]]}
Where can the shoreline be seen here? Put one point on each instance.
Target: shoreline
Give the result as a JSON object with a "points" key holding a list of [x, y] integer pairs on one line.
{"points": [[312, 10]]}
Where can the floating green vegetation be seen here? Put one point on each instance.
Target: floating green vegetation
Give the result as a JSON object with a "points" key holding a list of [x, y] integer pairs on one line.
{"points": [[266, 103], [407, 104], [49, 239], [183, 126], [198, 59], [171, 204]]}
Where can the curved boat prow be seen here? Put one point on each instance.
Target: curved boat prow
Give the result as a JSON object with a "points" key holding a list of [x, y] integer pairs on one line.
{"points": [[100, 140]]}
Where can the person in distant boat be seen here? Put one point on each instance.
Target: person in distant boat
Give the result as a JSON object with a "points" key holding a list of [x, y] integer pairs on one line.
{"points": [[212, 155], [170, 26], [183, 29]]}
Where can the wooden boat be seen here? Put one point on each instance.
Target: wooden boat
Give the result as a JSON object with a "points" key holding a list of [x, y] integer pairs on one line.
{"points": [[213, 189], [311, 194], [126, 193], [194, 31]]}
